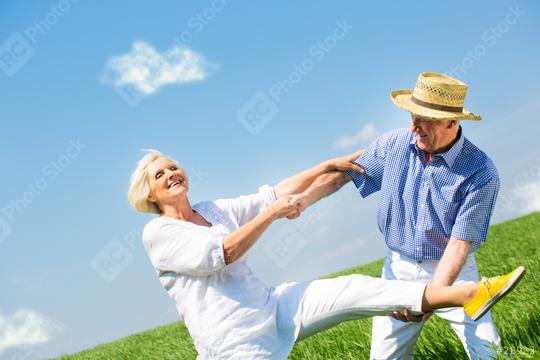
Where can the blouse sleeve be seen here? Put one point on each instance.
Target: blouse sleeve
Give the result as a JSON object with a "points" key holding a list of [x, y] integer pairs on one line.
{"points": [[183, 248], [246, 207]]}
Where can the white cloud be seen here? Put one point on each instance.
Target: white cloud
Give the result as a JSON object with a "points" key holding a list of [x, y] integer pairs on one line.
{"points": [[346, 248], [529, 195], [520, 197], [25, 327], [323, 229], [366, 134], [147, 70]]}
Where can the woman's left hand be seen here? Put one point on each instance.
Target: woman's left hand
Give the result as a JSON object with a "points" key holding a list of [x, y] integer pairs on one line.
{"points": [[346, 163]]}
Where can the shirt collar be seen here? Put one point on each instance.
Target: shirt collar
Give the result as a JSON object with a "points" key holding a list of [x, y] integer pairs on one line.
{"points": [[210, 212], [451, 154]]}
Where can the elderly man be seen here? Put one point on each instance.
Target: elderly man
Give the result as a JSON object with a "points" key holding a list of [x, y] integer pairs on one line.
{"points": [[438, 191]]}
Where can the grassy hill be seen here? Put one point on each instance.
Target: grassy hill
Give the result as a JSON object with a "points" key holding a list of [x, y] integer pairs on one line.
{"points": [[517, 317]]}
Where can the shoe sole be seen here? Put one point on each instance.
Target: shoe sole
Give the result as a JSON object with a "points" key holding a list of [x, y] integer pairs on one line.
{"points": [[500, 294]]}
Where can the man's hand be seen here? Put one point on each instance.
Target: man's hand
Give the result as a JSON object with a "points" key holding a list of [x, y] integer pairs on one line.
{"points": [[284, 207], [406, 316], [346, 163], [299, 203]]}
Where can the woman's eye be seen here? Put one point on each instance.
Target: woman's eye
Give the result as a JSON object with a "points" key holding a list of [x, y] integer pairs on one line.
{"points": [[158, 175], [173, 168]]}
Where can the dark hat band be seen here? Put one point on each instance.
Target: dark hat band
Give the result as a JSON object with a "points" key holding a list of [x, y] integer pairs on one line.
{"points": [[436, 106]]}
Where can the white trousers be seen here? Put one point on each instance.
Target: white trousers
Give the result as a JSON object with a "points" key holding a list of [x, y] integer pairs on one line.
{"points": [[394, 339], [307, 308]]}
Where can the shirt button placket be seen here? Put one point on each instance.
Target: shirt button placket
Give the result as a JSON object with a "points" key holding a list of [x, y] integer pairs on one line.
{"points": [[422, 213]]}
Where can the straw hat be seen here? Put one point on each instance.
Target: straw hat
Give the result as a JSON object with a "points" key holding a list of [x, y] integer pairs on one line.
{"points": [[435, 97]]}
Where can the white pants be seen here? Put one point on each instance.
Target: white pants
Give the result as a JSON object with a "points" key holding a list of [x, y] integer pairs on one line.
{"points": [[394, 339], [307, 308]]}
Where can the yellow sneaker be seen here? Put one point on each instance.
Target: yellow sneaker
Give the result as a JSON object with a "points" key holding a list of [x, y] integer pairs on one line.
{"points": [[492, 290]]}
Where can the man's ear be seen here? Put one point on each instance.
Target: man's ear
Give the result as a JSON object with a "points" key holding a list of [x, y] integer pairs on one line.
{"points": [[451, 124]]}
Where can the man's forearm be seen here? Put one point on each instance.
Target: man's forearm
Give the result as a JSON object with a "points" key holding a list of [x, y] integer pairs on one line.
{"points": [[299, 182], [325, 185], [452, 261]]}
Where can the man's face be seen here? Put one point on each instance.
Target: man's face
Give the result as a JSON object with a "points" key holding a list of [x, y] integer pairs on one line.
{"points": [[433, 136]]}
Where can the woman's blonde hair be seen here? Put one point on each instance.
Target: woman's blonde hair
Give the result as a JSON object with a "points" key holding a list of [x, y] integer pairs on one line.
{"points": [[139, 187]]}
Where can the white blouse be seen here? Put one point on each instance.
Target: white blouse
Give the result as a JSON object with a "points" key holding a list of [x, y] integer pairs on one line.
{"points": [[228, 311]]}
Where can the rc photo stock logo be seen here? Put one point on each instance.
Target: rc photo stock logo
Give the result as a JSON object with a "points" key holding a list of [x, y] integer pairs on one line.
{"points": [[5, 229], [262, 107], [49, 173], [257, 113], [17, 50], [115, 256], [131, 94], [285, 245]]}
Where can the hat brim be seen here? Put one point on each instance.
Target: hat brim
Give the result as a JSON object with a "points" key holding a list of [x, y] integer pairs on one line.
{"points": [[402, 99]]}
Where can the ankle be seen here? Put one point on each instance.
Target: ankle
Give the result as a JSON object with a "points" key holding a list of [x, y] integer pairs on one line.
{"points": [[470, 292]]}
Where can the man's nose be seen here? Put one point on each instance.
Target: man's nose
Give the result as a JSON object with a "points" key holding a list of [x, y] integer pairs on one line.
{"points": [[415, 123]]}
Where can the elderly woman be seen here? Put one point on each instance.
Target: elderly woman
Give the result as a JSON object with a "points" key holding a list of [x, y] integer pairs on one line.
{"points": [[199, 254]]}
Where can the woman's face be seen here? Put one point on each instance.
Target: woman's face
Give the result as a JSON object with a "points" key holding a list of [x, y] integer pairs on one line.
{"points": [[167, 182]]}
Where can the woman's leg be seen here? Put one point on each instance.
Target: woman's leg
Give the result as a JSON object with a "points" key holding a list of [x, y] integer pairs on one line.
{"points": [[321, 304], [318, 305], [438, 297]]}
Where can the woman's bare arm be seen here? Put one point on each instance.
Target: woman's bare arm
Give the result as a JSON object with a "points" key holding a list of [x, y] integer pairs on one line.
{"points": [[237, 243], [298, 183]]}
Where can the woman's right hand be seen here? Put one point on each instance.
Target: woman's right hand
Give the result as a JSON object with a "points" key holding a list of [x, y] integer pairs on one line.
{"points": [[284, 207]]}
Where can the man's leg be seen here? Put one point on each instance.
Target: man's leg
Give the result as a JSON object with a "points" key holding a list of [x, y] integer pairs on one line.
{"points": [[391, 338], [480, 339]]}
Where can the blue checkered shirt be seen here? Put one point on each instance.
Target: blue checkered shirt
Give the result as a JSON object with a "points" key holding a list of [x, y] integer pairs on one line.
{"points": [[422, 205]]}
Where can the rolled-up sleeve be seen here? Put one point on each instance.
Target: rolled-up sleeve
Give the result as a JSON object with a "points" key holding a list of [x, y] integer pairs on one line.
{"points": [[246, 207], [472, 220], [372, 160], [183, 248]]}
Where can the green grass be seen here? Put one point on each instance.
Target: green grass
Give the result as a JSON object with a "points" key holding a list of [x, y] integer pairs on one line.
{"points": [[517, 317]]}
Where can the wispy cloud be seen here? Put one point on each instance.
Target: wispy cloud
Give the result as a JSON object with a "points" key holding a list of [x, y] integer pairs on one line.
{"points": [[147, 70], [323, 229], [527, 195], [25, 327], [366, 134], [345, 249]]}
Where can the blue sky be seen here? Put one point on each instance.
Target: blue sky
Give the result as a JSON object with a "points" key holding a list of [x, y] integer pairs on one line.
{"points": [[278, 87]]}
